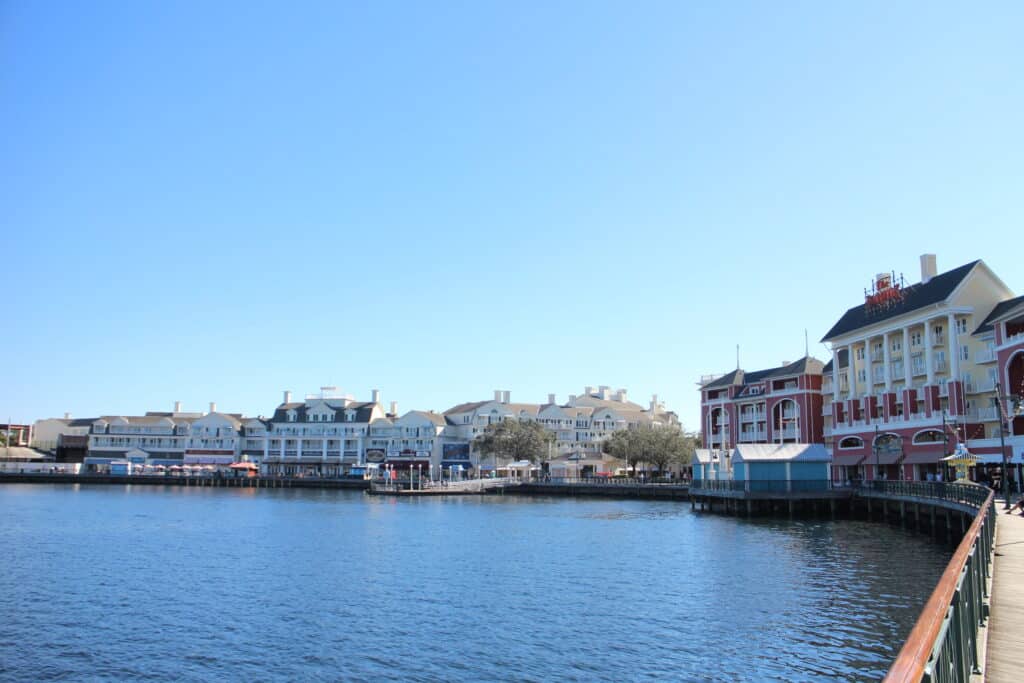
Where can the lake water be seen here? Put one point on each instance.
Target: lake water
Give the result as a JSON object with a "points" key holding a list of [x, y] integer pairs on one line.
{"points": [[168, 584]]}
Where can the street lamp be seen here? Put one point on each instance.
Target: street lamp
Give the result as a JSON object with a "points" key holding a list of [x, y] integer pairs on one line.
{"points": [[1017, 409]]}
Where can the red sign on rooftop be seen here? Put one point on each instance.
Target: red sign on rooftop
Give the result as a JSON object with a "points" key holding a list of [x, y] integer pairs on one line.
{"points": [[885, 292]]}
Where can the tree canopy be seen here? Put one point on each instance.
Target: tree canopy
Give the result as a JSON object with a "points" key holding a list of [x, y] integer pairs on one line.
{"points": [[658, 447], [514, 440]]}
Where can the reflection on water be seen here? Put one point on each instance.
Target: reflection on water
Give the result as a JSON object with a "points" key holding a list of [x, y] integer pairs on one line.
{"points": [[200, 584]]}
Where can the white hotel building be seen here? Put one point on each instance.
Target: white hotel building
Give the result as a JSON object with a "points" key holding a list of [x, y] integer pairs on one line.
{"points": [[580, 425]]}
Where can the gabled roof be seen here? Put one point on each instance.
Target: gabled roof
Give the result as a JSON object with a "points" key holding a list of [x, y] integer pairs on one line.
{"points": [[1002, 308], [430, 415], [916, 296], [465, 407]]}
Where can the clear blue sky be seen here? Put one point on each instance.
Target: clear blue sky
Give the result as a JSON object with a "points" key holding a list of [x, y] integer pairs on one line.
{"points": [[218, 201]]}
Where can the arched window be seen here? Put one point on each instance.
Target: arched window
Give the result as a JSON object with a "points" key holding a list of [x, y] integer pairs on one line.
{"points": [[852, 442], [929, 436]]}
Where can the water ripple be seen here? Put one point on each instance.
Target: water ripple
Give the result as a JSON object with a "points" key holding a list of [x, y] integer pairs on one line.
{"points": [[217, 584]]}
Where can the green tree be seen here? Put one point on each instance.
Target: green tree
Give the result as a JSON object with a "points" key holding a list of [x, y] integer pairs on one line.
{"points": [[512, 439], [658, 447]]}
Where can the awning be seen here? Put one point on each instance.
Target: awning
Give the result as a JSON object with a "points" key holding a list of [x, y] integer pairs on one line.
{"points": [[927, 458], [882, 459], [848, 460]]}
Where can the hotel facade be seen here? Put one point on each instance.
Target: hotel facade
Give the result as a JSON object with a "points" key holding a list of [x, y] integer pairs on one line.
{"points": [[331, 434], [913, 372]]}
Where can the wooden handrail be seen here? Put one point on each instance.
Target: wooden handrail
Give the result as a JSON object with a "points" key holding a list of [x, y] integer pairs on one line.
{"points": [[913, 657]]}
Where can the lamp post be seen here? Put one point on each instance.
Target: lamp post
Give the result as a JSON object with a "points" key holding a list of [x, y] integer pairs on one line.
{"points": [[1017, 409], [874, 447]]}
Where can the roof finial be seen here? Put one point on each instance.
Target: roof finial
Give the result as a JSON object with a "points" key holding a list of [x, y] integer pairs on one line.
{"points": [[737, 356]]}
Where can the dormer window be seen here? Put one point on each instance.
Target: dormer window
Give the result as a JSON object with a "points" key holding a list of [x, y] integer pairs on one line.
{"points": [[291, 416]]}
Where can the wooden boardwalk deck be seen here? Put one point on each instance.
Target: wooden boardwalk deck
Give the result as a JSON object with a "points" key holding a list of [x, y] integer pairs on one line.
{"points": [[1004, 659]]}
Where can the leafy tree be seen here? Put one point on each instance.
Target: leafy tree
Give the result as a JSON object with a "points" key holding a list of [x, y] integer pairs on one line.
{"points": [[659, 447], [512, 439]]}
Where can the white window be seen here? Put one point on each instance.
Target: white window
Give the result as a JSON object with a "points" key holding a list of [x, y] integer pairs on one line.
{"points": [[861, 376], [915, 338], [897, 344], [961, 325], [859, 353], [965, 353]]}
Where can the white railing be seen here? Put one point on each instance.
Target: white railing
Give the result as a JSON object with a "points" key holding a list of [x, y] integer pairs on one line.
{"points": [[980, 386], [787, 432], [877, 356], [984, 414], [939, 340], [940, 365], [985, 356]]}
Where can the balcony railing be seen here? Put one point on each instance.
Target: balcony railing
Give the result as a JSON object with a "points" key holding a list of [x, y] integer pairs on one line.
{"points": [[984, 414], [877, 356], [753, 435], [985, 356], [980, 386], [939, 340], [940, 365]]}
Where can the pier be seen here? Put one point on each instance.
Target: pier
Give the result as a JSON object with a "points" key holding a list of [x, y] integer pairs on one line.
{"points": [[1004, 661], [188, 482]]}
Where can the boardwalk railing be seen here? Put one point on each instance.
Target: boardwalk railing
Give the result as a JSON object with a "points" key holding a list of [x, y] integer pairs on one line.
{"points": [[943, 645], [962, 494]]}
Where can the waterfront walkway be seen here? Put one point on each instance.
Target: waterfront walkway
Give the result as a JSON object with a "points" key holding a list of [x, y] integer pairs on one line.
{"points": [[1004, 659]]}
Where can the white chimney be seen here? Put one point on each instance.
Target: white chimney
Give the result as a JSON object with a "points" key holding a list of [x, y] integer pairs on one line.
{"points": [[287, 397], [588, 390], [394, 407], [67, 416], [551, 399], [497, 395], [928, 267], [572, 400], [177, 406], [213, 407], [605, 392], [654, 402], [506, 397], [376, 395]]}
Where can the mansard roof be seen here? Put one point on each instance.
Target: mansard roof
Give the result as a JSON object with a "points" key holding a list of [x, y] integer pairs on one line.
{"points": [[806, 365], [363, 410], [1001, 309], [916, 296]]}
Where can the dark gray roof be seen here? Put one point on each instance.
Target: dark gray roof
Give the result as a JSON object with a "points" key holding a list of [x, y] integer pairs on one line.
{"points": [[914, 297], [363, 411], [1001, 308], [727, 380], [739, 377], [844, 360]]}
